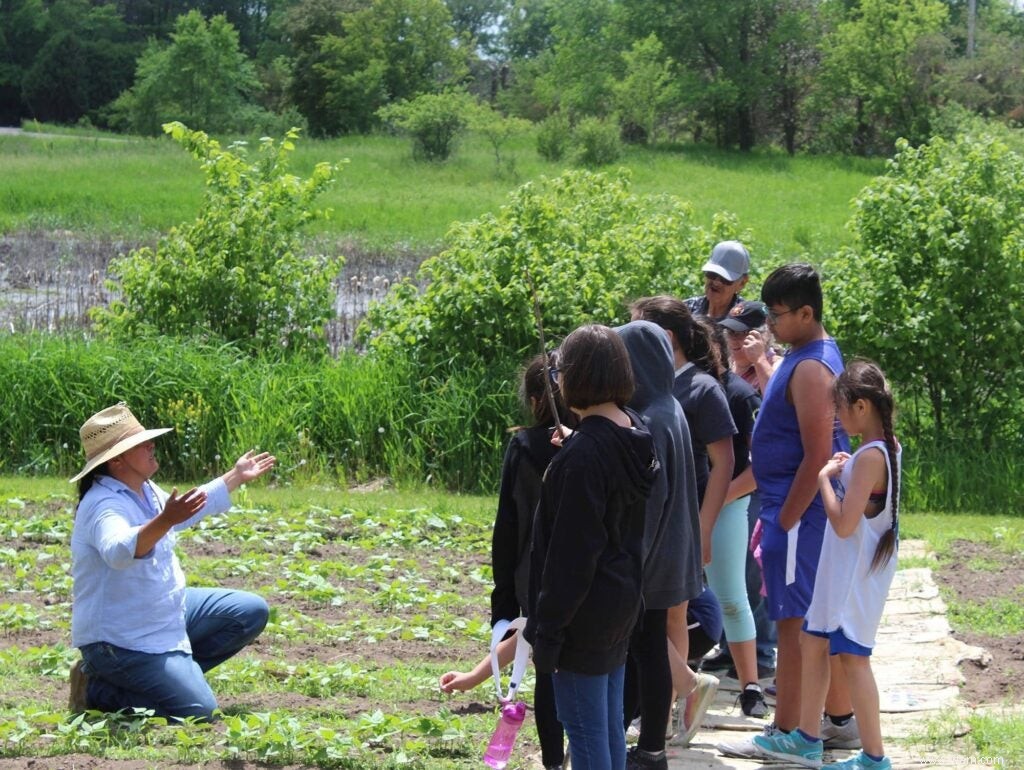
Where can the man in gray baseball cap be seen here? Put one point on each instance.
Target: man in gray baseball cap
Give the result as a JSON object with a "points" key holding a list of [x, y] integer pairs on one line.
{"points": [[725, 275]]}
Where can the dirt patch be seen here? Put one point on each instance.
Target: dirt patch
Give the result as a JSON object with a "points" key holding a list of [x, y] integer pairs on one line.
{"points": [[972, 572]]}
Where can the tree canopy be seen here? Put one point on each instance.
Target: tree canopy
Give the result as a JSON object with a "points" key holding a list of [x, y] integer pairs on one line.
{"points": [[847, 75]]}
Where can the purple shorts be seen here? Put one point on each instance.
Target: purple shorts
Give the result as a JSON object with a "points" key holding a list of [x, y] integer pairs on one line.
{"points": [[790, 563]]}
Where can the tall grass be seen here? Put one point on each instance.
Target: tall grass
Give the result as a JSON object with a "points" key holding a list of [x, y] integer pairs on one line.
{"points": [[345, 420], [385, 199], [945, 475]]}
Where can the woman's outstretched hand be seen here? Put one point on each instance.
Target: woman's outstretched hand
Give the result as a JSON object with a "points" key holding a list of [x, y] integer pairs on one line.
{"points": [[178, 509], [248, 467]]}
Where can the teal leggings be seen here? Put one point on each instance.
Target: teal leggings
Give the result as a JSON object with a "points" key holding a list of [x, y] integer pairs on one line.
{"points": [[727, 572]]}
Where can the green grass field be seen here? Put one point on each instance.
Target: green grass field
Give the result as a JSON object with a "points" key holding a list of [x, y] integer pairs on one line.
{"points": [[383, 198]]}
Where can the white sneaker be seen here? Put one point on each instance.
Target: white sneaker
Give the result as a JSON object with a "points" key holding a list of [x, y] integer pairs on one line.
{"points": [[835, 737], [746, 749]]}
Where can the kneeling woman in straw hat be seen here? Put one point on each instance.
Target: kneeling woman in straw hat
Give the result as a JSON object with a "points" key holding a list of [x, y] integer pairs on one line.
{"points": [[146, 640]]}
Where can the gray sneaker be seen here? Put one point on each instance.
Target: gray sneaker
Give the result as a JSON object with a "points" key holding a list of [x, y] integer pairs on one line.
{"points": [[746, 749], [836, 737]]}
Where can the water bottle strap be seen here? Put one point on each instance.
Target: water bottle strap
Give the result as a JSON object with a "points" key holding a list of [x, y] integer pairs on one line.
{"points": [[501, 628]]}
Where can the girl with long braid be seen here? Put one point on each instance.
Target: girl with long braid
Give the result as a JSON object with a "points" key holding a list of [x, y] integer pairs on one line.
{"points": [[858, 560]]}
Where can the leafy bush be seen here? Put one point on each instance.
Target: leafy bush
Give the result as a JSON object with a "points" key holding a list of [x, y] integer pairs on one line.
{"points": [[931, 289], [597, 142], [554, 136], [434, 121], [237, 272], [589, 245]]}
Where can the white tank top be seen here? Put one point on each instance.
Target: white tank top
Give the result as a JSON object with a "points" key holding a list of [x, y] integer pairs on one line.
{"points": [[848, 595]]}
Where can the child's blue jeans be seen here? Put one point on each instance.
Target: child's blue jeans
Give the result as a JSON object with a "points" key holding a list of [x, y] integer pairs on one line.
{"points": [[590, 709], [219, 622]]}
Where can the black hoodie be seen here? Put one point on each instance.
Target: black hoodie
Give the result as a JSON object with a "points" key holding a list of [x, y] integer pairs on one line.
{"points": [[587, 555], [527, 457]]}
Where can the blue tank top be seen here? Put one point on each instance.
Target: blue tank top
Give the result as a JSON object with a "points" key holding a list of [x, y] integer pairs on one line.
{"points": [[775, 449]]}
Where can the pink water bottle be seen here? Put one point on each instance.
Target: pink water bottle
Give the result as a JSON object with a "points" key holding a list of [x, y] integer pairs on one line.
{"points": [[500, 747]]}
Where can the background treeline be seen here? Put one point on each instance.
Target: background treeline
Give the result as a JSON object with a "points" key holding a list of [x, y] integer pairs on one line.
{"points": [[836, 75]]}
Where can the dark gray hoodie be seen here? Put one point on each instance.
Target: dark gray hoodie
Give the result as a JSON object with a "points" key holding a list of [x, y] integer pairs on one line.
{"points": [[672, 551]]}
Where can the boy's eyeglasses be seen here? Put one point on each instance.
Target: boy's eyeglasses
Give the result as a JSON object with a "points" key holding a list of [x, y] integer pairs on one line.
{"points": [[715, 277], [773, 316]]}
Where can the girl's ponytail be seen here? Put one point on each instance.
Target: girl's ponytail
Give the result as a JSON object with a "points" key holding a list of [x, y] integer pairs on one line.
{"points": [[864, 379], [704, 351], [889, 542]]}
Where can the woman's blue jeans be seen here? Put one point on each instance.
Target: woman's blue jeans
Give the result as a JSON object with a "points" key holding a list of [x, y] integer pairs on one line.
{"points": [[219, 623], [590, 709]]}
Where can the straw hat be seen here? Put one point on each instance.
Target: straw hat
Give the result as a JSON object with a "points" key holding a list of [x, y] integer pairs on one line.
{"points": [[110, 433]]}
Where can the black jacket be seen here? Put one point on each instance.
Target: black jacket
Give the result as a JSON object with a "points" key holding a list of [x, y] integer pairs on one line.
{"points": [[587, 554], [526, 458]]}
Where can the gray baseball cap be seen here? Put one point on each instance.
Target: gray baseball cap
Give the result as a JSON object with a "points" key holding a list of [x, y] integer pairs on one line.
{"points": [[729, 259]]}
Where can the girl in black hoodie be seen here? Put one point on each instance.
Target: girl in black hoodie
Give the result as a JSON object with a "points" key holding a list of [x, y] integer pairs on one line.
{"points": [[587, 554], [526, 458]]}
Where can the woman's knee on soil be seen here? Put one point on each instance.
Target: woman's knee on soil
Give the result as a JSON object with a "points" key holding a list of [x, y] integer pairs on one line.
{"points": [[255, 616]]}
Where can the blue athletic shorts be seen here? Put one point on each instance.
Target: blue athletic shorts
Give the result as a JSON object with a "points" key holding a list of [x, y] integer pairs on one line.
{"points": [[839, 643], [790, 563]]}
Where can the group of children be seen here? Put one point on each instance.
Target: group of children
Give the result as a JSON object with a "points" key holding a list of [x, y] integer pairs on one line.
{"points": [[606, 522]]}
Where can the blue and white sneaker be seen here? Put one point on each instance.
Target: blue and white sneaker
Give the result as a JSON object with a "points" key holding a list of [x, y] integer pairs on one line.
{"points": [[861, 762], [792, 747]]}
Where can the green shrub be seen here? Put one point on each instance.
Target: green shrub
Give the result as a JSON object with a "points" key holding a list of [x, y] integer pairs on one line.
{"points": [[554, 136], [589, 244], [238, 272], [499, 130], [930, 289], [434, 121], [597, 142]]}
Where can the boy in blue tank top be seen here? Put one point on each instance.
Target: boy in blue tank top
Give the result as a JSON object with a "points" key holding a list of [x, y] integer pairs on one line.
{"points": [[795, 434]]}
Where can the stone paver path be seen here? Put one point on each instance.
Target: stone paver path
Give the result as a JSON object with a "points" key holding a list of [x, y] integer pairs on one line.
{"points": [[915, 664]]}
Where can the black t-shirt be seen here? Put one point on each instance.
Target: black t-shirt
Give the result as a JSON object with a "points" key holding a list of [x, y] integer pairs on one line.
{"points": [[707, 414], [744, 402]]}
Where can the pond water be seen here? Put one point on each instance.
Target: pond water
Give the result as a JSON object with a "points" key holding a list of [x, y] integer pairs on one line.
{"points": [[49, 281]]}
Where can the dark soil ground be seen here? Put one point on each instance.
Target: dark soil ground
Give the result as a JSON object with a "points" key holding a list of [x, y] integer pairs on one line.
{"points": [[1002, 577]]}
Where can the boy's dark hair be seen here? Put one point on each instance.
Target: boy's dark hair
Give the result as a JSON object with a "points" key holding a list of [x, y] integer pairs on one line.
{"points": [[693, 335], [595, 369], [794, 286], [864, 379]]}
